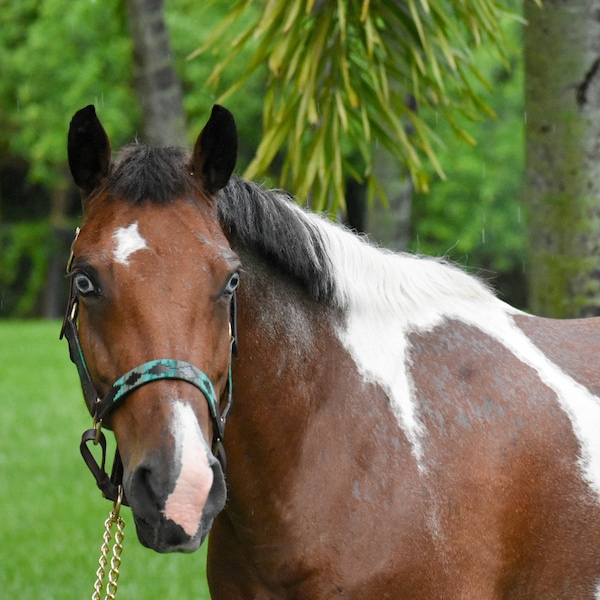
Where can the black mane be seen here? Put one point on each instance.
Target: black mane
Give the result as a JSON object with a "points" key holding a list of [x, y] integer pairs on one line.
{"points": [[252, 216], [269, 222]]}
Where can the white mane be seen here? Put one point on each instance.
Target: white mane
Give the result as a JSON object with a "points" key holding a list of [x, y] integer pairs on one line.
{"points": [[385, 297], [372, 279]]}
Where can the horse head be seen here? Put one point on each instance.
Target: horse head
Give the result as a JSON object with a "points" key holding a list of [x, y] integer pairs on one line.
{"points": [[153, 277]]}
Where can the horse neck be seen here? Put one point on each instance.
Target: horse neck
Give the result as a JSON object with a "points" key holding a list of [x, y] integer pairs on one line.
{"points": [[279, 377]]}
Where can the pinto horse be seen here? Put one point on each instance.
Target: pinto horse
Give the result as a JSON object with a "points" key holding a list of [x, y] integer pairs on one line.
{"points": [[397, 432]]}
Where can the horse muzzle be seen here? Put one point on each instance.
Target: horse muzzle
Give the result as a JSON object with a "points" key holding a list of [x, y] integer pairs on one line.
{"points": [[175, 496]]}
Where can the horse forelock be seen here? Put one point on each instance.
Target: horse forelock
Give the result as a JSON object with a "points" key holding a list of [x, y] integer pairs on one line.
{"points": [[143, 173]]}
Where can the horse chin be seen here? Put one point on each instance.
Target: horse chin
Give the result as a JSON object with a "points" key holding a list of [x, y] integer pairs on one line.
{"points": [[170, 537]]}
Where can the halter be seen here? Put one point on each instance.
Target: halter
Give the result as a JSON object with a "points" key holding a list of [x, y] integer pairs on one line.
{"points": [[154, 370]]}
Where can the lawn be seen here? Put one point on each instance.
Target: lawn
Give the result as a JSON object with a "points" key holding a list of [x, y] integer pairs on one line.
{"points": [[52, 513]]}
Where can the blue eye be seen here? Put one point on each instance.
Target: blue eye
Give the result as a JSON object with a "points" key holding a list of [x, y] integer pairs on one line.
{"points": [[232, 284], [84, 285]]}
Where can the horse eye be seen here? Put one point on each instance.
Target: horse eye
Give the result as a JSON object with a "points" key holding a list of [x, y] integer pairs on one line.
{"points": [[232, 284], [84, 284]]}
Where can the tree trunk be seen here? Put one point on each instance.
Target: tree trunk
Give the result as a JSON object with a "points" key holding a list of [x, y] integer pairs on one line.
{"points": [[56, 286], [156, 82], [562, 103]]}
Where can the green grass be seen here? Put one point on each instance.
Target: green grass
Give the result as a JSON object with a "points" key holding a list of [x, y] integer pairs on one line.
{"points": [[52, 513]]}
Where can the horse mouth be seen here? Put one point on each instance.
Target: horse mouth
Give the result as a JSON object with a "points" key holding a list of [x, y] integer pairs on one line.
{"points": [[169, 536], [162, 534]]}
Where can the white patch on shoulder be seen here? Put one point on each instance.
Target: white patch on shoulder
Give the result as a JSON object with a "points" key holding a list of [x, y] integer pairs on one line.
{"points": [[581, 406], [387, 296], [127, 241], [185, 503]]}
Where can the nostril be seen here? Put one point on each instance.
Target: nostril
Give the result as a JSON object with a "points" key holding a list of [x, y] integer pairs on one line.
{"points": [[145, 489], [145, 504], [142, 481]]}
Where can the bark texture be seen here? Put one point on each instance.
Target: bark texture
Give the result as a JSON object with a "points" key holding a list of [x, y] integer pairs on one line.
{"points": [[562, 100], [156, 81]]}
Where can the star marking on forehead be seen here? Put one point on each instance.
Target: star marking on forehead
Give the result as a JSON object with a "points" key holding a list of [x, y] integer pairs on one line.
{"points": [[127, 241]]}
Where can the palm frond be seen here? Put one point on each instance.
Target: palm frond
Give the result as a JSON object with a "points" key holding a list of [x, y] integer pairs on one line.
{"points": [[348, 74]]}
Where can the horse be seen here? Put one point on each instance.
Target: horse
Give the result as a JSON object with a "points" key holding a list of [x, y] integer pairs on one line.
{"points": [[397, 430]]}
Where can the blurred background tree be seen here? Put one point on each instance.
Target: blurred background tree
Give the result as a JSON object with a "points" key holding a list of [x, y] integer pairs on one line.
{"points": [[476, 215], [562, 192], [347, 75], [58, 56], [157, 85]]}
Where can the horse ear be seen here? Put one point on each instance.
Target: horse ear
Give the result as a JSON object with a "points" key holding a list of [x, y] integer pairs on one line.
{"points": [[88, 149], [215, 152]]}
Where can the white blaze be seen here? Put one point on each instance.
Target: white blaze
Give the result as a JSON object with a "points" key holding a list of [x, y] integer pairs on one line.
{"points": [[127, 241], [185, 503]]}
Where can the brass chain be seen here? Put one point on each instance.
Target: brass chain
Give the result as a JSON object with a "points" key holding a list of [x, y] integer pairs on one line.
{"points": [[117, 549], [115, 561]]}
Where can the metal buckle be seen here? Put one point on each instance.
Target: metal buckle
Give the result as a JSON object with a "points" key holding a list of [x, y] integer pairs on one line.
{"points": [[72, 255]]}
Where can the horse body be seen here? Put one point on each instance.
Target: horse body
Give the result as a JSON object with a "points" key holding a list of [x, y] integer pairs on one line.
{"points": [[457, 491], [398, 432]]}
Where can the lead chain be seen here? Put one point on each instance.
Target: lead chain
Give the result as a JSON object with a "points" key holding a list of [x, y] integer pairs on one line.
{"points": [[117, 549]]}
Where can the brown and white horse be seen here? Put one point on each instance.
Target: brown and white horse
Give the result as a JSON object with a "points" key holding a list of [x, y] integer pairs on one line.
{"points": [[398, 431]]}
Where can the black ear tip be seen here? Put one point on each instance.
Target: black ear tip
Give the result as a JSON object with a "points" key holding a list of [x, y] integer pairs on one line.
{"points": [[85, 128], [217, 109], [84, 122], [84, 114], [222, 115]]}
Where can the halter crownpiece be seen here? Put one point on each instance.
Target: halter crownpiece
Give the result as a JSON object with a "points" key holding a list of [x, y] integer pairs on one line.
{"points": [[154, 370]]}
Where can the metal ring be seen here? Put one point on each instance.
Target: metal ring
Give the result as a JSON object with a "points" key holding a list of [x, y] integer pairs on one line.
{"points": [[117, 505], [98, 427]]}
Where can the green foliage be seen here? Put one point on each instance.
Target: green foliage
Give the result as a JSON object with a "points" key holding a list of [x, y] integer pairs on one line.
{"points": [[342, 75], [475, 216], [58, 56], [53, 513], [23, 247]]}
